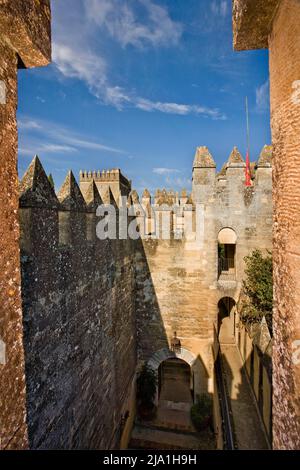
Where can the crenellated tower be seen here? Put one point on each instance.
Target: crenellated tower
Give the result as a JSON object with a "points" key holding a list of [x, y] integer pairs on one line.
{"points": [[113, 179]]}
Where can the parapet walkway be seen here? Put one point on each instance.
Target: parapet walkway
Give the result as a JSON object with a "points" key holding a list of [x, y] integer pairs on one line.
{"points": [[247, 424]]}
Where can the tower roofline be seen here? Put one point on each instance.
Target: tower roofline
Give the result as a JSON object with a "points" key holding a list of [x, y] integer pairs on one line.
{"points": [[98, 176], [203, 159]]}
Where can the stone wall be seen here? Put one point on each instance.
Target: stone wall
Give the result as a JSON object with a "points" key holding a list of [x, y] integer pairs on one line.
{"points": [[275, 24], [172, 295], [255, 345], [12, 384], [24, 42], [285, 110], [178, 287], [79, 323]]}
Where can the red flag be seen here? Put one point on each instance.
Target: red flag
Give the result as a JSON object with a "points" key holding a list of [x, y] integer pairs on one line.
{"points": [[248, 170]]}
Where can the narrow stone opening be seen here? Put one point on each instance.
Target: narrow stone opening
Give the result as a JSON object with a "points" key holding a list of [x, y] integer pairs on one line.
{"points": [[227, 254], [175, 381], [226, 320]]}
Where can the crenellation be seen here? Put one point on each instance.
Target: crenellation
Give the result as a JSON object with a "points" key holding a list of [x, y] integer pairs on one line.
{"points": [[143, 289], [70, 195], [78, 310], [35, 188], [83, 308], [178, 279]]}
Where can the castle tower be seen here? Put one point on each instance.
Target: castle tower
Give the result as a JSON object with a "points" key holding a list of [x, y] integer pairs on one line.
{"points": [[104, 180], [204, 172]]}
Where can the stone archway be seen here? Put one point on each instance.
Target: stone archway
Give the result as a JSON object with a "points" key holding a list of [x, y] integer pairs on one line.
{"points": [[164, 355], [175, 382]]}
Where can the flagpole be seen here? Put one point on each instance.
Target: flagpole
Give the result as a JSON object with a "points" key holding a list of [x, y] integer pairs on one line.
{"points": [[248, 170], [247, 120]]}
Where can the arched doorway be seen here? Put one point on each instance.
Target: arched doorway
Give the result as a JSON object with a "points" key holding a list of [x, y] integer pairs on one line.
{"points": [[196, 368], [226, 320], [175, 382], [180, 377]]}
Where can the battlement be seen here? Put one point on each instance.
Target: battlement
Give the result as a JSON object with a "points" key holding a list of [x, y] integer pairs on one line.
{"points": [[76, 287], [106, 181], [106, 176], [208, 184]]}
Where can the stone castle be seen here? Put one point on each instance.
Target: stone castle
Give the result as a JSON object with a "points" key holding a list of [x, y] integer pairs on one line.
{"points": [[77, 315], [94, 310]]}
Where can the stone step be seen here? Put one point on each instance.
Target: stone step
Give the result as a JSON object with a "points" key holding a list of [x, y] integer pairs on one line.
{"points": [[153, 438]]}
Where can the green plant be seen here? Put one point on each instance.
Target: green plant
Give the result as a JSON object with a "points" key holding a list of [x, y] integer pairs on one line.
{"points": [[146, 386], [257, 289], [201, 412]]}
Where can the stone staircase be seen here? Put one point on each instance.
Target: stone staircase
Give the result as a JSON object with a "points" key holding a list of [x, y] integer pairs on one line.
{"points": [[157, 438]]}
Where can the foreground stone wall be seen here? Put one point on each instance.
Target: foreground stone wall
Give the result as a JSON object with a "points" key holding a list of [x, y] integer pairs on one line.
{"points": [[12, 385], [24, 42], [278, 23], [79, 324], [285, 108]]}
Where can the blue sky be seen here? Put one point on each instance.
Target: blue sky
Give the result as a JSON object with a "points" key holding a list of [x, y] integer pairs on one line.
{"points": [[138, 85]]}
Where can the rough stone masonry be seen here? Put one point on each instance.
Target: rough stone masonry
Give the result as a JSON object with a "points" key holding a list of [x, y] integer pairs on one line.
{"points": [[24, 42], [94, 309], [275, 24], [84, 300], [178, 284], [78, 311]]}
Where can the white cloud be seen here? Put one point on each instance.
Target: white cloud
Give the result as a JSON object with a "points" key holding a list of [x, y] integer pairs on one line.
{"points": [[178, 182], [28, 124], [39, 148], [164, 171], [84, 65], [175, 108], [262, 97], [59, 139], [91, 69], [122, 23], [84, 61], [219, 7], [42, 100]]}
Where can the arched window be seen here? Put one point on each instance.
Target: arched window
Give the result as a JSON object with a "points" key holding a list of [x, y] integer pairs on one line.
{"points": [[226, 254]]}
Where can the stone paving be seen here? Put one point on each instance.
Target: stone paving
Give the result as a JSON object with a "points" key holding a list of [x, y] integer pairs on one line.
{"points": [[150, 438], [172, 427]]}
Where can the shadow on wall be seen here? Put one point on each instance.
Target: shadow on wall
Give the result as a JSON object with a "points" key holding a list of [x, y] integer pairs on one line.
{"points": [[151, 332], [181, 375], [155, 333]]}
